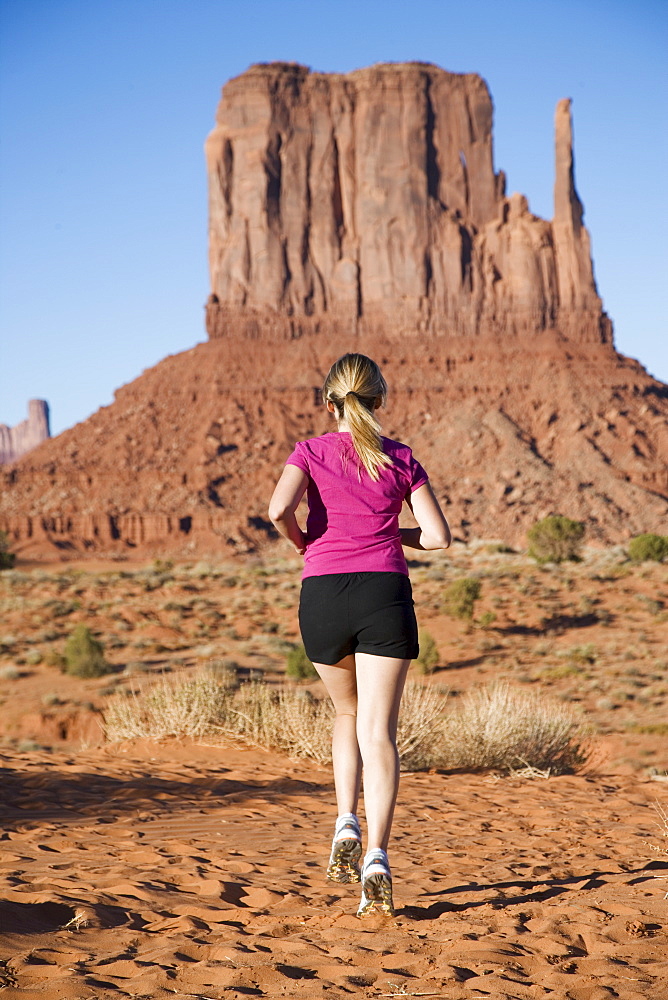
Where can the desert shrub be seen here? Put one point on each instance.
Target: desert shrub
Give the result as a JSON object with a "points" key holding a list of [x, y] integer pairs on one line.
{"points": [[84, 654], [7, 557], [486, 619], [9, 673], [555, 538], [511, 729], [298, 665], [51, 699], [581, 654], [648, 547], [429, 655], [460, 597]]}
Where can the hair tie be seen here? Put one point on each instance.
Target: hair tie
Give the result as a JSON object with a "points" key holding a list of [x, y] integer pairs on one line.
{"points": [[350, 392]]}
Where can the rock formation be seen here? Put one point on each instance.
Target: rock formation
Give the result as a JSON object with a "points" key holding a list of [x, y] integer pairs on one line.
{"points": [[16, 441], [369, 201], [363, 212]]}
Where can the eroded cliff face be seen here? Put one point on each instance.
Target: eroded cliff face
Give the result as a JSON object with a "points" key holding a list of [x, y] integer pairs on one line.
{"points": [[18, 440], [369, 202]]}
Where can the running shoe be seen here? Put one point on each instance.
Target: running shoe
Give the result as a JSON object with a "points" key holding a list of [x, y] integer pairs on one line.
{"points": [[376, 885], [344, 862]]}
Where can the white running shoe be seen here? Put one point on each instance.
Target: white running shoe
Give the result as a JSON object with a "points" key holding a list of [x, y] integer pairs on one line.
{"points": [[344, 862], [376, 885]]}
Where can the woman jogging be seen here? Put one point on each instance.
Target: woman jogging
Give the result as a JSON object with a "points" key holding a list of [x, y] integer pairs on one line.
{"points": [[356, 610]]}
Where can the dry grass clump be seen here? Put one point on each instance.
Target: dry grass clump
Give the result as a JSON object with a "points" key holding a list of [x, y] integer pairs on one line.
{"points": [[661, 851], [420, 727], [495, 728], [506, 728], [211, 704], [174, 706]]}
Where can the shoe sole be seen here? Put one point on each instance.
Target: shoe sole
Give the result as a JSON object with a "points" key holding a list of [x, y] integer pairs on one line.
{"points": [[377, 891], [344, 864]]}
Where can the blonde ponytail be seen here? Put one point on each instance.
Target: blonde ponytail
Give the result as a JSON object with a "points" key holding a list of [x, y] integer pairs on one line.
{"points": [[356, 388]]}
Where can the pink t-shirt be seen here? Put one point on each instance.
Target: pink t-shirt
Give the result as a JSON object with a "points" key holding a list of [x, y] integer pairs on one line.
{"points": [[353, 522]]}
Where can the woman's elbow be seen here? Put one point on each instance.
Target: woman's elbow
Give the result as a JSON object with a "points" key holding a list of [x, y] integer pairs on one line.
{"points": [[276, 512], [279, 511], [441, 539]]}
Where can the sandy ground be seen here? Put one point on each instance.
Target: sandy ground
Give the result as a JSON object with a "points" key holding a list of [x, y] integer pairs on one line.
{"points": [[181, 870]]}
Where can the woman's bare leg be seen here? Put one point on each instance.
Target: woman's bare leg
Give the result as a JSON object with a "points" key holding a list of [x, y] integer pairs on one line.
{"points": [[341, 685], [380, 684]]}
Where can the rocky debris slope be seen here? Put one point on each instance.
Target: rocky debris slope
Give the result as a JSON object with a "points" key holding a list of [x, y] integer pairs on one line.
{"points": [[185, 458], [369, 201], [16, 441]]}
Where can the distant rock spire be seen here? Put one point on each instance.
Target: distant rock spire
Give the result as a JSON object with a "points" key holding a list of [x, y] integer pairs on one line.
{"points": [[16, 441], [567, 206], [580, 314]]}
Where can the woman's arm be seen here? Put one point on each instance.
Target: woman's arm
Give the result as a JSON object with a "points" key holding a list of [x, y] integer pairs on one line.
{"points": [[433, 531], [284, 502]]}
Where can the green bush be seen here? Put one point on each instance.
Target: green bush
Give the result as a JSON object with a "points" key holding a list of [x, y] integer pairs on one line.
{"points": [[298, 664], [555, 539], [7, 558], [648, 547], [486, 619], [429, 655], [84, 654], [460, 597]]}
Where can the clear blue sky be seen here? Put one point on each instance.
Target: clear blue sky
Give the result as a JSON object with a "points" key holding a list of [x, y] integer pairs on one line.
{"points": [[105, 105]]}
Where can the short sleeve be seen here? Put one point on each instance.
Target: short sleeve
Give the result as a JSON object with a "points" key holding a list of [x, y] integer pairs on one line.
{"points": [[299, 457], [418, 475]]}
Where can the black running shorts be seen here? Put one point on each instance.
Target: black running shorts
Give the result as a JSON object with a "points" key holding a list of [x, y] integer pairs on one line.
{"points": [[343, 613]]}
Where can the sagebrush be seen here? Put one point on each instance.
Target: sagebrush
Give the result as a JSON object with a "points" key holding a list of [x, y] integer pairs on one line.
{"points": [[297, 664], [649, 548], [460, 597], [555, 539], [7, 557], [428, 657], [84, 654]]}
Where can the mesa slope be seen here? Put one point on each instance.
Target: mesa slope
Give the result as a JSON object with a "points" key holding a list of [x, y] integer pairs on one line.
{"points": [[185, 458]]}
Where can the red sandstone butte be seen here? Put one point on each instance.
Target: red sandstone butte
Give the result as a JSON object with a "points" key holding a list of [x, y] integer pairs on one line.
{"points": [[363, 211], [369, 202]]}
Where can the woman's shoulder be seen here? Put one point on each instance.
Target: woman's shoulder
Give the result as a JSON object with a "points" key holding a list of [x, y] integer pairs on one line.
{"points": [[318, 446], [398, 448], [320, 441]]}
